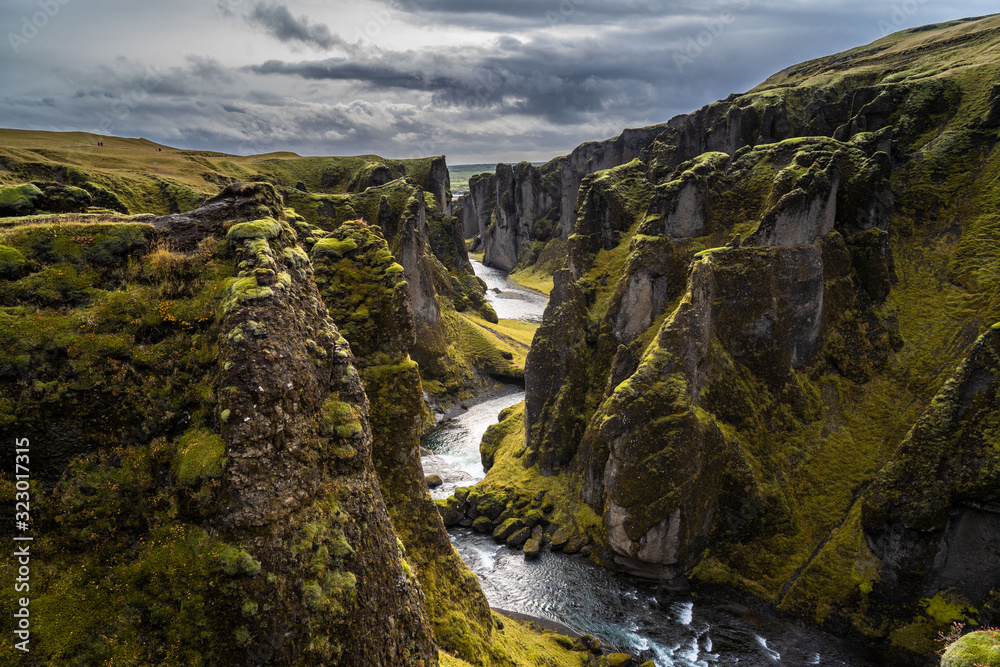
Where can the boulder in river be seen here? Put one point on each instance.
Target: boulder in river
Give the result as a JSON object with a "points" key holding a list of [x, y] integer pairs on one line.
{"points": [[533, 518], [620, 660], [433, 481], [450, 514], [483, 525], [532, 548], [560, 538], [519, 538], [502, 532], [490, 505]]}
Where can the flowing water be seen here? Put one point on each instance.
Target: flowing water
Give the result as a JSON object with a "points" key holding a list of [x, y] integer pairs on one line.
{"points": [[623, 612], [510, 300]]}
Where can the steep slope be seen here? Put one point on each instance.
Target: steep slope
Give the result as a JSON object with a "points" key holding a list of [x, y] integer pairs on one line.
{"points": [[206, 491], [217, 479], [754, 314], [410, 200], [522, 207]]}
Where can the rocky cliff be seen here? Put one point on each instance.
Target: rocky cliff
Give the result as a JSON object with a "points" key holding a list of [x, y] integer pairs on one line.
{"points": [[217, 477], [754, 314], [410, 201], [206, 488], [524, 204]]}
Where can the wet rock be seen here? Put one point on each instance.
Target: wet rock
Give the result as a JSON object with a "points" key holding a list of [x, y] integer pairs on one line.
{"points": [[533, 518], [620, 660], [532, 548], [433, 481], [519, 538], [491, 505], [574, 545], [449, 512], [588, 643], [560, 538], [502, 532], [482, 525]]}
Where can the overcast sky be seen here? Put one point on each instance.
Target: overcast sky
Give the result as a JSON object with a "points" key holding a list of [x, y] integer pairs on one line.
{"points": [[477, 81]]}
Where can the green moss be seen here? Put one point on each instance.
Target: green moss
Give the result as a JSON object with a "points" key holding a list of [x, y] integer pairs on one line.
{"points": [[980, 648], [334, 247], [235, 561], [244, 290], [201, 455], [18, 199], [11, 261], [265, 228]]}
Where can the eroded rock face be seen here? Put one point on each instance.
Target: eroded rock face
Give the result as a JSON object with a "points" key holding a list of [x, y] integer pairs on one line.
{"points": [[440, 184], [230, 486], [552, 379], [239, 201], [300, 450], [511, 208], [365, 290], [933, 515], [589, 158], [414, 256], [653, 430], [726, 127], [733, 429], [788, 194]]}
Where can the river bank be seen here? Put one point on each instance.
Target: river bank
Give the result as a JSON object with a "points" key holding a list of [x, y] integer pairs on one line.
{"points": [[699, 629]]}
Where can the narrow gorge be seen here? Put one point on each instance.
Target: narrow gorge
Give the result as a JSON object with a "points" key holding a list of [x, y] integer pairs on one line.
{"points": [[739, 368]]}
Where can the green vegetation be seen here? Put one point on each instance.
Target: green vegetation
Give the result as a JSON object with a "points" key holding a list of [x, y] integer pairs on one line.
{"points": [[804, 467], [132, 176], [200, 457], [980, 648]]}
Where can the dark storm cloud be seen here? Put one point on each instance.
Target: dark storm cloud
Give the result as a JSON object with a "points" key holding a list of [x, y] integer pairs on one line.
{"points": [[278, 22], [552, 80], [545, 75]]}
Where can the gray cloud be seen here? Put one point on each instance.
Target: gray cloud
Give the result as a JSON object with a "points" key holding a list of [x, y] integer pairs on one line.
{"points": [[278, 22], [515, 87], [527, 14]]}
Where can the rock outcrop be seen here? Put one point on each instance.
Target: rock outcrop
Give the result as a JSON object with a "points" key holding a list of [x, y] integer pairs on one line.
{"points": [[753, 316], [932, 516], [512, 208], [224, 481], [377, 315]]}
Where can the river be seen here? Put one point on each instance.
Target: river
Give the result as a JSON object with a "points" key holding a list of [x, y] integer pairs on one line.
{"points": [[510, 300], [623, 612]]}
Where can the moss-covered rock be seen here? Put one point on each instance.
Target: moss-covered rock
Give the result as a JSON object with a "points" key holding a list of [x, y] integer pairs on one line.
{"points": [[19, 199], [753, 317], [181, 483], [975, 648]]}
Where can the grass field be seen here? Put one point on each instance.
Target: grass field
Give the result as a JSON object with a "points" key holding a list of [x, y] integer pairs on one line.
{"points": [[461, 173]]}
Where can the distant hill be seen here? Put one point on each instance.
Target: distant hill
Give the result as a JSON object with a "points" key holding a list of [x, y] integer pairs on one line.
{"points": [[140, 176]]}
